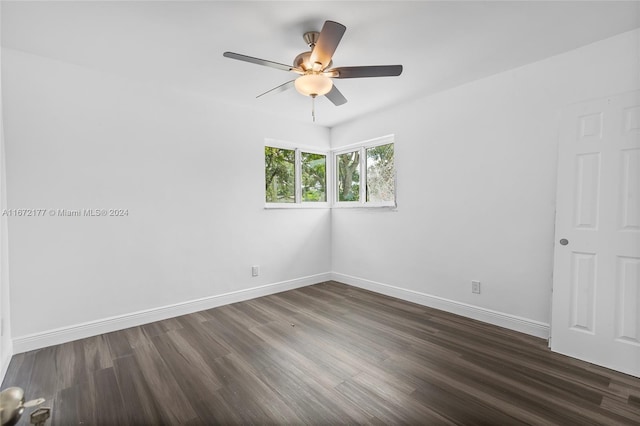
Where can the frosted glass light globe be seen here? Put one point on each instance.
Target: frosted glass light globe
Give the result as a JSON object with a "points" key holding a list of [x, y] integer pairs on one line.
{"points": [[313, 84]]}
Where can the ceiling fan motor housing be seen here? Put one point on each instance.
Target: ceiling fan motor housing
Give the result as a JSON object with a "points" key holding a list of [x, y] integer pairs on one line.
{"points": [[303, 61], [311, 38]]}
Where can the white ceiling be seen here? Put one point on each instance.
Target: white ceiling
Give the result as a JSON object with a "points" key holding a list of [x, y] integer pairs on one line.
{"points": [[180, 43]]}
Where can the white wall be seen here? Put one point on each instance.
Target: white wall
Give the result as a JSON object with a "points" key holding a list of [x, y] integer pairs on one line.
{"points": [[476, 173], [6, 343], [189, 170]]}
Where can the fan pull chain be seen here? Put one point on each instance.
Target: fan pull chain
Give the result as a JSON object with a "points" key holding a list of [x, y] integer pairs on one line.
{"points": [[313, 108]]}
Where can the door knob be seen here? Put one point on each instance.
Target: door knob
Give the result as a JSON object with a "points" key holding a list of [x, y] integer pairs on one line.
{"points": [[564, 241]]}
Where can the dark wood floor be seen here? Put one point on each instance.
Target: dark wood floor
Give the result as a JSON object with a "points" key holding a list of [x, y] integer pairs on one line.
{"points": [[324, 354]]}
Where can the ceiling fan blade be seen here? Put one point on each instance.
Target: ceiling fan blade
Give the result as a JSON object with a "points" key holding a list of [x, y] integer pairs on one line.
{"points": [[327, 43], [336, 96], [285, 86], [258, 61], [366, 71]]}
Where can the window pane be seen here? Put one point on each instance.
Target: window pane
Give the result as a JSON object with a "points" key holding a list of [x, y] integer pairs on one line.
{"points": [[348, 176], [314, 177], [279, 169], [380, 173]]}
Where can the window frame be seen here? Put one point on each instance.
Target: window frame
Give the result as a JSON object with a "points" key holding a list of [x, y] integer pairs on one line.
{"points": [[362, 147], [298, 202]]}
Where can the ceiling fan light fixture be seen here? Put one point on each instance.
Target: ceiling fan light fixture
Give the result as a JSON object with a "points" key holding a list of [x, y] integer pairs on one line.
{"points": [[313, 85], [315, 66]]}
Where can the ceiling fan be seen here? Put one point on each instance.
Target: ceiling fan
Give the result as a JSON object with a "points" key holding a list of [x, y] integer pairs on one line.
{"points": [[314, 66]]}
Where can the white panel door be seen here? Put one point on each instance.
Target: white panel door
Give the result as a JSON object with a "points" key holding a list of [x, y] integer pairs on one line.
{"points": [[596, 278]]}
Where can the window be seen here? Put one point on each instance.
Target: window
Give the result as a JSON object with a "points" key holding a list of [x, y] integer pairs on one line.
{"points": [[314, 176], [365, 175], [348, 176], [381, 179], [294, 176], [279, 167]]}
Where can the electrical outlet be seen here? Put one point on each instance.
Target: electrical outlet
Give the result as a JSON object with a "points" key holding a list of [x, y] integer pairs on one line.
{"points": [[255, 271], [475, 287]]}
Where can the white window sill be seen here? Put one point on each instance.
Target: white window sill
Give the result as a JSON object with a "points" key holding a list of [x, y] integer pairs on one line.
{"points": [[358, 205], [271, 206]]}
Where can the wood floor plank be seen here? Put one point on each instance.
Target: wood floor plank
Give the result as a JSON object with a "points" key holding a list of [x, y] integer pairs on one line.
{"points": [[251, 398], [283, 347], [473, 412], [97, 354], [118, 344], [135, 336], [68, 407], [19, 372], [140, 405], [170, 324], [153, 329], [215, 410], [372, 404], [110, 410], [621, 408], [322, 354], [188, 367], [235, 337], [76, 404], [44, 378], [70, 364], [324, 363], [289, 384], [398, 399], [270, 309], [423, 377], [343, 354], [246, 315], [162, 385]]}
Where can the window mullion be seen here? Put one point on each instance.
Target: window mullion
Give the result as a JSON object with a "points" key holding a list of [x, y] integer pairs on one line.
{"points": [[298, 177], [363, 175], [336, 178]]}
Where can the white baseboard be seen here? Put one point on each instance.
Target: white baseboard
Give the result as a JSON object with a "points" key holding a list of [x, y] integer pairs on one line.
{"points": [[512, 322], [120, 322]]}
